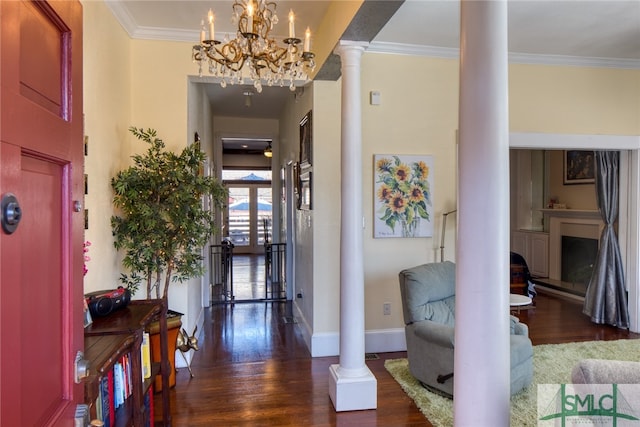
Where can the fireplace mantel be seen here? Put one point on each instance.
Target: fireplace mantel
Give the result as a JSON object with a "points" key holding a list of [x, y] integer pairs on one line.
{"points": [[572, 213]]}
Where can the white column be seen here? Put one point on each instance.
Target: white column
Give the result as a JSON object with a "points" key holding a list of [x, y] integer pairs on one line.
{"points": [[481, 361], [352, 386]]}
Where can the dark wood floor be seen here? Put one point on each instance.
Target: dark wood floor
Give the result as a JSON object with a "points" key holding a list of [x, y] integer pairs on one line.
{"points": [[253, 369]]}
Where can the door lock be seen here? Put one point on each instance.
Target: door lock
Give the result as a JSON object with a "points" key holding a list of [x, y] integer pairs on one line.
{"points": [[10, 213], [80, 367]]}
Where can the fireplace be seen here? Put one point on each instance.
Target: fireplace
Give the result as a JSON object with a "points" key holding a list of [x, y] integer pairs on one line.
{"points": [[578, 255], [573, 246]]}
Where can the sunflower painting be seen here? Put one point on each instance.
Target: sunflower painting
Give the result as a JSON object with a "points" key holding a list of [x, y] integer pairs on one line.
{"points": [[402, 198]]}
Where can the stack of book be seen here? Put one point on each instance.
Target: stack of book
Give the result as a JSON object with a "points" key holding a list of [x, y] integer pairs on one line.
{"points": [[115, 388]]}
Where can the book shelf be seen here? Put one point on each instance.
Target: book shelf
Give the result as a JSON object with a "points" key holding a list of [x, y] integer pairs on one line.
{"points": [[110, 338]]}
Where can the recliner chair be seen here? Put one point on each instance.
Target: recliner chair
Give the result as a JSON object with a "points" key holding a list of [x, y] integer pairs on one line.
{"points": [[428, 305]]}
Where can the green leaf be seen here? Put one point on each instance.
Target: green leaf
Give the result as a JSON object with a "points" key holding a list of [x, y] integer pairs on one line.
{"points": [[162, 225]]}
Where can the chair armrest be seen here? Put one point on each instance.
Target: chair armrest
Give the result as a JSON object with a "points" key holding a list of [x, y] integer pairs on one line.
{"points": [[518, 328], [436, 333]]}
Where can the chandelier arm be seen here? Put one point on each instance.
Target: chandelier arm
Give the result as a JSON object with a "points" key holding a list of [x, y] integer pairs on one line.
{"points": [[273, 62], [230, 56]]}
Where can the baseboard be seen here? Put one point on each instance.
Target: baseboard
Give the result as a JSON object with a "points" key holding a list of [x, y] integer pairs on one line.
{"points": [[375, 341], [385, 340], [325, 344], [303, 325], [540, 288]]}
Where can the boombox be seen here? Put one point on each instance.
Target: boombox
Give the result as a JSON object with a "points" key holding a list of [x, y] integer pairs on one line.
{"points": [[102, 303]]}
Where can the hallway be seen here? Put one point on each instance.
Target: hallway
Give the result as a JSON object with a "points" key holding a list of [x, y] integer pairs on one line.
{"points": [[253, 369], [248, 277]]}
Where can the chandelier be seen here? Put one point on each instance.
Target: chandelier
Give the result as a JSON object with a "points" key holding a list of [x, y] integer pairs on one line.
{"points": [[254, 49]]}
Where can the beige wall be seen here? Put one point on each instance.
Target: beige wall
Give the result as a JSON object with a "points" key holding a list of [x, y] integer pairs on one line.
{"points": [[107, 112], [417, 115], [554, 99], [159, 83], [326, 205]]}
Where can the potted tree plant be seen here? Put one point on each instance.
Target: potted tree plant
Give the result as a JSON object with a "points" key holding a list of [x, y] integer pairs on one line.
{"points": [[162, 222]]}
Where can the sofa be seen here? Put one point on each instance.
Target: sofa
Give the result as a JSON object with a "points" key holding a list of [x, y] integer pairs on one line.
{"points": [[428, 306], [601, 371]]}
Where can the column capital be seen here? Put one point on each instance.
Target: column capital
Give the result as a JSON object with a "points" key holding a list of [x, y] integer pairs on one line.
{"points": [[350, 45]]}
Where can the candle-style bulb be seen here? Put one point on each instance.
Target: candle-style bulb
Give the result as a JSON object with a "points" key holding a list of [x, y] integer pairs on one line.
{"points": [[307, 40], [211, 28], [250, 17], [292, 30]]}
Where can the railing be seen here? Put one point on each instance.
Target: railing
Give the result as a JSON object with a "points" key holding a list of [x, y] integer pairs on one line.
{"points": [[240, 228], [275, 271], [221, 272]]}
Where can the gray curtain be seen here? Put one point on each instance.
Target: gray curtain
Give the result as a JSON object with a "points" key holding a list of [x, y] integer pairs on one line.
{"points": [[606, 297]]}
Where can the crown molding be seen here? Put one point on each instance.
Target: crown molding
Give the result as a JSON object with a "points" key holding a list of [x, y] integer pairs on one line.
{"points": [[576, 61], [154, 33], [413, 50], [122, 15], [514, 57]]}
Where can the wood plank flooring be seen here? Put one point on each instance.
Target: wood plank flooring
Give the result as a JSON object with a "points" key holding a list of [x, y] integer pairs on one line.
{"points": [[253, 369]]}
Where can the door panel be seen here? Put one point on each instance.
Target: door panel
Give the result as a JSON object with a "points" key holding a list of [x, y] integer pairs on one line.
{"points": [[39, 30], [41, 276], [41, 157]]}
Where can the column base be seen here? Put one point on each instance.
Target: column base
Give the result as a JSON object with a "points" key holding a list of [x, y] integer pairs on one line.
{"points": [[352, 393]]}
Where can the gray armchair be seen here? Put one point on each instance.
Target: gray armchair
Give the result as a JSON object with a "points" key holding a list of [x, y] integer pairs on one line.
{"points": [[428, 305]]}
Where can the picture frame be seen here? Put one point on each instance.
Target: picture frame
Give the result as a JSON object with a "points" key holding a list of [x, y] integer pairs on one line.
{"points": [[305, 202], [296, 184], [87, 320], [579, 167], [306, 141], [403, 190]]}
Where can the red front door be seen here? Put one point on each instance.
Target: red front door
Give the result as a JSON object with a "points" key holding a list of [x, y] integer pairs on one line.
{"points": [[41, 164]]}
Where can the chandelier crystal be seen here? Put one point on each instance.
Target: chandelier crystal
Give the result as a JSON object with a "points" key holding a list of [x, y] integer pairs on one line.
{"points": [[253, 49]]}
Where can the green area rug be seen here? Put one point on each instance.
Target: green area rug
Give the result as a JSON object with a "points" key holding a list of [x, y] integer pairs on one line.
{"points": [[552, 364]]}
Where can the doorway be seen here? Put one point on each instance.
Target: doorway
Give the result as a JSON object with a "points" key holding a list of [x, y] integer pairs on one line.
{"points": [[248, 225], [249, 216]]}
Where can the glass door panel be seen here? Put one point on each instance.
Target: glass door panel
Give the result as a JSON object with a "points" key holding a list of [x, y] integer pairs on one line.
{"points": [[238, 216], [249, 217], [264, 215]]}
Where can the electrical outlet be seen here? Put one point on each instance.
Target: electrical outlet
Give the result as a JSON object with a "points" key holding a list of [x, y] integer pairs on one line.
{"points": [[386, 308]]}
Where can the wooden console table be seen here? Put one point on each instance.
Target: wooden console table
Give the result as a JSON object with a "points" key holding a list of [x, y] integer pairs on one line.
{"points": [[111, 336]]}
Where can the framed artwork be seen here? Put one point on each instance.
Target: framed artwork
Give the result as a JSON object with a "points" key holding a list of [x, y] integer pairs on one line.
{"points": [[306, 145], [296, 183], [579, 167], [87, 314], [402, 196], [305, 191]]}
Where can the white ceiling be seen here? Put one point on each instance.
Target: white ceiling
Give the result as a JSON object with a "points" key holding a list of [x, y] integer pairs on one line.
{"points": [[575, 32]]}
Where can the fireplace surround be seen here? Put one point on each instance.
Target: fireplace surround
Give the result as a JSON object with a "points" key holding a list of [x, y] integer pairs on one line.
{"points": [[582, 229]]}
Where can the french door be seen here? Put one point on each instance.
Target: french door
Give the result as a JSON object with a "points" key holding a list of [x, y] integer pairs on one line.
{"points": [[248, 219]]}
